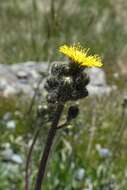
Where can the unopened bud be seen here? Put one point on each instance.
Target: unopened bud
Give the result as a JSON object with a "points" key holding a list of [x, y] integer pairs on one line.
{"points": [[51, 83], [73, 111], [60, 69]]}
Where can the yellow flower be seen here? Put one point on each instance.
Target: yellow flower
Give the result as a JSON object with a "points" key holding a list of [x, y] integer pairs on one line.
{"points": [[80, 56]]}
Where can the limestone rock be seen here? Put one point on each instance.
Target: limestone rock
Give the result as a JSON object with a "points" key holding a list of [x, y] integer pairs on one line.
{"points": [[98, 85], [23, 79]]}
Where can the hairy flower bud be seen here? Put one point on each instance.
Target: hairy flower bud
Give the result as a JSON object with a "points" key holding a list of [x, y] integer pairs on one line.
{"points": [[51, 83], [73, 111], [52, 97], [67, 82], [81, 80], [59, 69], [65, 88], [78, 94]]}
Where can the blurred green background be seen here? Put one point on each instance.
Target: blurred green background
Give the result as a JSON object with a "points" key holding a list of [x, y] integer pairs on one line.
{"points": [[92, 155]]}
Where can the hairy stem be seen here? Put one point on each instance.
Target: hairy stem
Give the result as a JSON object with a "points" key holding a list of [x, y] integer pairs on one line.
{"points": [[47, 148]]}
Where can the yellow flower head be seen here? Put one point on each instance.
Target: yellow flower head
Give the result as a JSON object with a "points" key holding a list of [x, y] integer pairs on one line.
{"points": [[80, 56]]}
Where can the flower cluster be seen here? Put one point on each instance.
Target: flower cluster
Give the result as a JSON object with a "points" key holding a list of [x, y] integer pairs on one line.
{"points": [[66, 82]]}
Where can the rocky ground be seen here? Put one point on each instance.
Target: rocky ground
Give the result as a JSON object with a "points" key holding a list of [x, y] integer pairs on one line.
{"points": [[23, 78]]}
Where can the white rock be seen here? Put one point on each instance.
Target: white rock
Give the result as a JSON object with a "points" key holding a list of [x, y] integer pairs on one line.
{"points": [[3, 84], [17, 159], [7, 116], [21, 78], [10, 90], [7, 154], [97, 76], [97, 85], [11, 124], [21, 74]]}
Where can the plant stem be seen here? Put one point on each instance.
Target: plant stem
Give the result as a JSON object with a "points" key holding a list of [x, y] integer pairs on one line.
{"points": [[29, 159], [49, 142]]}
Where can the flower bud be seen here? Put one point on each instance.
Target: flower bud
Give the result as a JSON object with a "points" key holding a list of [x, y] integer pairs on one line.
{"points": [[59, 69], [52, 97], [81, 80], [73, 111], [51, 83], [78, 94], [65, 88]]}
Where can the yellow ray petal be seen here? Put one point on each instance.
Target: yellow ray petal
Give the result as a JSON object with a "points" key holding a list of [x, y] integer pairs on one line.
{"points": [[80, 56]]}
